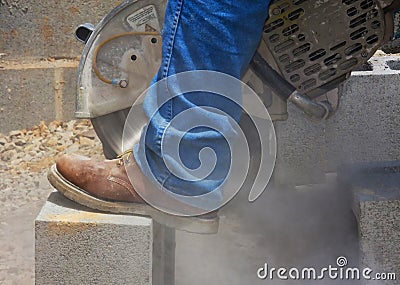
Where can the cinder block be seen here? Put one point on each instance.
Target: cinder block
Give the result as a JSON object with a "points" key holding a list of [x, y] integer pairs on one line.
{"points": [[380, 221], [46, 28], [34, 92], [35, 30], [383, 256], [26, 98], [67, 95], [379, 237], [75, 245], [366, 127], [379, 234], [376, 203]]}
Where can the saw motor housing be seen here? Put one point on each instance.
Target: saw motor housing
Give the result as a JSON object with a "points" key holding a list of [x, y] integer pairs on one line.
{"points": [[316, 44]]}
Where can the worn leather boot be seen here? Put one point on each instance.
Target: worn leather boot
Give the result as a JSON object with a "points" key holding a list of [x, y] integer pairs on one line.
{"points": [[106, 179], [104, 185]]}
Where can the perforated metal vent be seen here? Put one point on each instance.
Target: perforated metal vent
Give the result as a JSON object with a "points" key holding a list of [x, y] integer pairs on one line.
{"points": [[317, 42]]}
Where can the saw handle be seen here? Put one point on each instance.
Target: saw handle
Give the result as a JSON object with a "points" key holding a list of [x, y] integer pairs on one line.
{"points": [[271, 78], [287, 91]]}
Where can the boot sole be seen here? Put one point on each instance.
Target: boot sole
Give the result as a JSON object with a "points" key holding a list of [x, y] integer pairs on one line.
{"points": [[188, 224]]}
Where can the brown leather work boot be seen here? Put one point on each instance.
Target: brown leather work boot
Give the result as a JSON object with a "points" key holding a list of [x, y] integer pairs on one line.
{"points": [[103, 179], [105, 186]]}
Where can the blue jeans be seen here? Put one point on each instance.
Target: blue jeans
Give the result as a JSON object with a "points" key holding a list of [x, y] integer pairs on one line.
{"points": [[216, 35]]}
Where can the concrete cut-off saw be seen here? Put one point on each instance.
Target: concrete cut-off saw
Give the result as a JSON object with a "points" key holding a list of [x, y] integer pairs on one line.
{"points": [[307, 49]]}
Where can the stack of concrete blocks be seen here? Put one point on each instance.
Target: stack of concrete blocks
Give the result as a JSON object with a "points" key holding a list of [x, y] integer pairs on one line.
{"points": [[375, 189], [365, 128], [39, 57], [75, 245]]}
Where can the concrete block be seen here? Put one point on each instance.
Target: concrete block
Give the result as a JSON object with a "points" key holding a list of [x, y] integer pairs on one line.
{"points": [[46, 28], [376, 204], [381, 256], [375, 188], [75, 245], [66, 95], [36, 91], [23, 101], [380, 221], [379, 237], [366, 127]]}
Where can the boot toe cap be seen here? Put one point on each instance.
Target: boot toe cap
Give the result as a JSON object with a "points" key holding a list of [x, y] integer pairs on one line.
{"points": [[68, 166]]}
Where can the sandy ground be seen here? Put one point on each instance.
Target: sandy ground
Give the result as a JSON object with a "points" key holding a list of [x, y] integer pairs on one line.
{"points": [[285, 227]]}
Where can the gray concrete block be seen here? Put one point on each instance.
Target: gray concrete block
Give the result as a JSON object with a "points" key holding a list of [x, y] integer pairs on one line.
{"points": [[380, 221], [75, 245], [25, 98], [164, 255], [67, 96], [375, 188], [46, 28], [379, 237], [381, 257], [365, 128], [36, 91]]}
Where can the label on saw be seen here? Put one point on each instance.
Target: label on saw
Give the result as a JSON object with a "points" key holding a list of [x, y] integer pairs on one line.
{"points": [[144, 20]]}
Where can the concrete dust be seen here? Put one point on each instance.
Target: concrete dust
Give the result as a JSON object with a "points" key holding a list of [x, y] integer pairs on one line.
{"points": [[284, 228]]}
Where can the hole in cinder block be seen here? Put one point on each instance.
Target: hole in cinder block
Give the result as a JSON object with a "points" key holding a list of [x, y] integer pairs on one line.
{"points": [[393, 64], [365, 67]]}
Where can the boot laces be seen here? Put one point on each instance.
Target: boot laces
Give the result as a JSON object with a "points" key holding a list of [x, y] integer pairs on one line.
{"points": [[124, 157]]}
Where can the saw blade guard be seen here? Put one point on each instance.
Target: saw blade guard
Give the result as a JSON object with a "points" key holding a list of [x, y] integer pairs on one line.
{"points": [[120, 58]]}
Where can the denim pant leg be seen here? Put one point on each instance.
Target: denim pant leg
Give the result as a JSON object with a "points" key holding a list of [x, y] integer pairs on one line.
{"points": [[216, 35]]}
